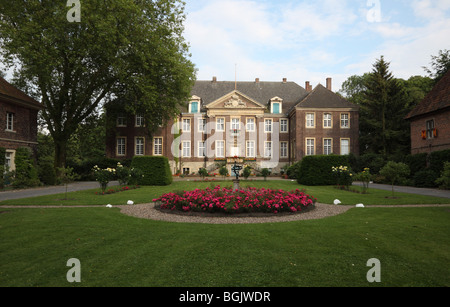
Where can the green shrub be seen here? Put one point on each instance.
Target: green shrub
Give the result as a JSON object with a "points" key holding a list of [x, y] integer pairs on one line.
{"points": [[46, 171], [395, 172], [293, 170], [437, 160], [2, 166], [317, 170], [26, 173], [155, 170], [246, 172], [425, 179], [265, 172], [416, 163], [444, 180]]}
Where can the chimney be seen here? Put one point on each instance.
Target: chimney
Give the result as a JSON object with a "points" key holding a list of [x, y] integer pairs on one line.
{"points": [[257, 80], [214, 80], [284, 80], [307, 86], [329, 84]]}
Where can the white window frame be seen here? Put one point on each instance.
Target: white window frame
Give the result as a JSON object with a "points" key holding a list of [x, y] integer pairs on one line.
{"points": [[221, 153], [310, 121], [310, 148], [327, 122], [220, 124], [139, 120], [325, 146], [186, 125], [186, 149], [250, 126], [158, 146], [235, 123], [250, 150], [266, 125], [201, 149], [121, 120], [201, 125], [283, 149], [345, 122], [345, 151], [9, 121], [119, 146], [139, 147], [268, 149], [284, 125]]}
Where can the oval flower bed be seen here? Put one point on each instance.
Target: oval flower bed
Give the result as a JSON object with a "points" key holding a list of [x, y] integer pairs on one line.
{"points": [[248, 200]]}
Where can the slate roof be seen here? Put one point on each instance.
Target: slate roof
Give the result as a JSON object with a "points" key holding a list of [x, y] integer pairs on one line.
{"points": [[10, 92], [321, 97], [261, 92], [436, 100]]}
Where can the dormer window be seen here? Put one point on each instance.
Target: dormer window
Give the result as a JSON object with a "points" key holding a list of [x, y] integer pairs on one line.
{"points": [[276, 105], [195, 104]]}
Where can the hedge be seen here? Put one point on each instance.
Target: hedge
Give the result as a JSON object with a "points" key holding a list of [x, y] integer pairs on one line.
{"points": [[156, 170], [316, 170]]}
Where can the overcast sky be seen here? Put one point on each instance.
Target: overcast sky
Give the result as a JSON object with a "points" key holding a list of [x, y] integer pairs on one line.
{"points": [[313, 40]]}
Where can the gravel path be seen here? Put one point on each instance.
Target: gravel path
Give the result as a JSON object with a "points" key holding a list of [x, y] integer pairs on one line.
{"points": [[148, 211]]}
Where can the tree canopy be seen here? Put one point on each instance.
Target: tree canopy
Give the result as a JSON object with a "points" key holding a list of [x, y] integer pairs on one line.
{"points": [[132, 51]]}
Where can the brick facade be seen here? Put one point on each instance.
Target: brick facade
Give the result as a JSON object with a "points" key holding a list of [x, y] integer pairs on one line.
{"points": [[18, 120], [263, 123], [430, 120]]}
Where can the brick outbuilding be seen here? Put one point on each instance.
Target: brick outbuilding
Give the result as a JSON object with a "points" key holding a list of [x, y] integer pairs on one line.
{"points": [[430, 120], [18, 120]]}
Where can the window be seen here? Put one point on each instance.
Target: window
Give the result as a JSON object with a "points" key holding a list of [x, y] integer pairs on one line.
{"points": [[345, 120], [430, 129], [284, 149], [121, 146], [139, 150], [201, 125], [220, 124], [220, 149], [139, 120], [268, 125], [186, 149], [283, 125], [121, 120], [251, 149], [327, 146], [9, 160], [267, 149], [186, 170], [276, 108], [186, 125], [157, 146], [250, 124], [201, 149], [310, 150], [345, 147], [194, 107], [235, 124], [310, 120], [327, 120], [10, 121]]}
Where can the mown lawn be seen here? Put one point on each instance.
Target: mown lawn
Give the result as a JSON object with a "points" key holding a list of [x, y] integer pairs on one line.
{"points": [[412, 244], [324, 194]]}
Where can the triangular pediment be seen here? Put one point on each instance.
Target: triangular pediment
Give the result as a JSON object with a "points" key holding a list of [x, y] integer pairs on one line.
{"points": [[235, 100]]}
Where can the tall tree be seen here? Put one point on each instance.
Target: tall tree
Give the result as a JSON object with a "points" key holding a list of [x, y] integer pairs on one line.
{"points": [[119, 49], [383, 129], [440, 64]]}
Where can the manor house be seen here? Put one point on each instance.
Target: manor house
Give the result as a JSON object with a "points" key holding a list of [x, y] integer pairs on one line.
{"points": [[265, 124]]}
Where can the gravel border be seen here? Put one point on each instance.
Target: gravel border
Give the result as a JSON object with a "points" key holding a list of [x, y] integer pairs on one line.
{"points": [[148, 211]]}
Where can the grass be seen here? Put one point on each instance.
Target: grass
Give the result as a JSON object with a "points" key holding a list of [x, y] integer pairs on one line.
{"points": [[324, 194], [412, 244]]}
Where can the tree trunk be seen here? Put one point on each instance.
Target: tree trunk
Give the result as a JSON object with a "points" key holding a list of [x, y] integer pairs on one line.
{"points": [[60, 154]]}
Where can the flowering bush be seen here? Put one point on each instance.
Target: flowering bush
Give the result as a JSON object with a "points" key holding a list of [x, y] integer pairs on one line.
{"points": [[343, 175], [103, 176], [365, 177], [225, 200]]}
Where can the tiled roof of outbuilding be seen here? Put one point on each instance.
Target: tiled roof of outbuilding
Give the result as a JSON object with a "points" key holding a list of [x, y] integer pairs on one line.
{"points": [[437, 99], [11, 92], [321, 97]]}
